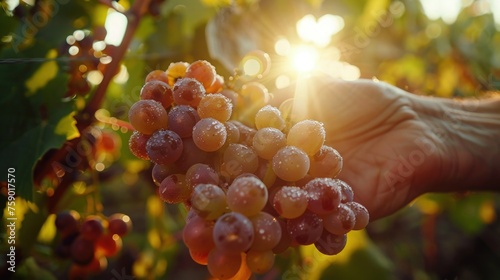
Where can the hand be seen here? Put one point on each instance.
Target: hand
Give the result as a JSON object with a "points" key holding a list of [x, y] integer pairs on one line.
{"points": [[395, 145]]}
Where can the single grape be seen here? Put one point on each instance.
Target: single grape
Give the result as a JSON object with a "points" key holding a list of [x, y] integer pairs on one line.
{"points": [[290, 202], [176, 71], [82, 250], [238, 159], [181, 120], [119, 224], [307, 135], [198, 235], [108, 245], [137, 145], [217, 85], [233, 232], [202, 71], [200, 173], [267, 232], [173, 189], [209, 134], [361, 213], [164, 147], [341, 221], [269, 116], [330, 244], [260, 261], [215, 106], [306, 229], [67, 222], [188, 91], [157, 75], [247, 195], [91, 228], [267, 141], [159, 91], [222, 264], [148, 116], [290, 163], [323, 195], [209, 201], [327, 162]]}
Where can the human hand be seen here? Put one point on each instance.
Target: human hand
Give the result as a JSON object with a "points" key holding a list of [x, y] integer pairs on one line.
{"points": [[395, 145]]}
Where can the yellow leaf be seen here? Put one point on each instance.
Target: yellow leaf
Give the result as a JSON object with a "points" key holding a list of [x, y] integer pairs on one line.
{"points": [[43, 75], [316, 262], [67, 126], [48, 230]]}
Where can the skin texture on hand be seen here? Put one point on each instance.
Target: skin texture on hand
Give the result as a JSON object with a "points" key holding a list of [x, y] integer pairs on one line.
{"points": [[395, 145]]}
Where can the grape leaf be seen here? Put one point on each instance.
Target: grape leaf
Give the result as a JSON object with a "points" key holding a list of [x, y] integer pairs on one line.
{"points": [[33, 125]]}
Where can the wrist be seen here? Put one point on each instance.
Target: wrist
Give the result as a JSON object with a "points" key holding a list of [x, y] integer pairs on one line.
{"points": [[469, 136]]}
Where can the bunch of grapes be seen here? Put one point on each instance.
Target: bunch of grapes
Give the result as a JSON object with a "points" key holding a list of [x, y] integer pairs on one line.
{"points": [[255, 182], [88, 242]]}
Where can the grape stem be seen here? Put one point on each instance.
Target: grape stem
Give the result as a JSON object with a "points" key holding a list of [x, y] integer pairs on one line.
{"points": [[87, 116]]}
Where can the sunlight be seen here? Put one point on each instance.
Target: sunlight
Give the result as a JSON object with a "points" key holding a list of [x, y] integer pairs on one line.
{"points": [[304, 58], [116, 24], [447, 10], [319, 31]]}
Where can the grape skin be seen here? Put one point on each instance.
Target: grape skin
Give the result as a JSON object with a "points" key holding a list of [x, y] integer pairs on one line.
{"points": [[233, 232], [164, 147], [247, 195], [137, 145], [188, 91], [308, 135], [290, 202], [327, 162], [209, 134], [181, 120], [209, 201], [148, 116], [267, 141], [290, 163]]}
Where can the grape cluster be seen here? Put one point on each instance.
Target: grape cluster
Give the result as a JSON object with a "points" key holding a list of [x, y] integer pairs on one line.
{"points": [[88, 242], [255, 182]]}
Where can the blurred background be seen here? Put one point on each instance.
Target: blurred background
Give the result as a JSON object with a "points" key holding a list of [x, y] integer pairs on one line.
{"points": [[58, 61]]}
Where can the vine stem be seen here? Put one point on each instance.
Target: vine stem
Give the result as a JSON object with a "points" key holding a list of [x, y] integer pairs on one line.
{"points": [[87, 116]]}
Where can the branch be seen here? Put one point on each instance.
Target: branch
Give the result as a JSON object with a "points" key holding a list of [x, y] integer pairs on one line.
{"points": [[87, 116]]}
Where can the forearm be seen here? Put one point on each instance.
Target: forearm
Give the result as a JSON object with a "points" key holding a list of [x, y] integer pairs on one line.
{"points": [[470, 132]]}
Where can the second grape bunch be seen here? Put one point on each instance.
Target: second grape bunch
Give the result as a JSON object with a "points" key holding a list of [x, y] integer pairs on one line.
{"points": [[254, 180]]}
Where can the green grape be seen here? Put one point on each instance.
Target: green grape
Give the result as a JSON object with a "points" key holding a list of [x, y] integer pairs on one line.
{"points": [[307, 135], [269, 116], [209, 201], [290, 163], [247, 195]]}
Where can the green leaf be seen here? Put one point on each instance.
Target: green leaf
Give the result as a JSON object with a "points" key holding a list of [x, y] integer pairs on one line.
{"points": [[33, 126], [29, 269], [466, 213]]}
